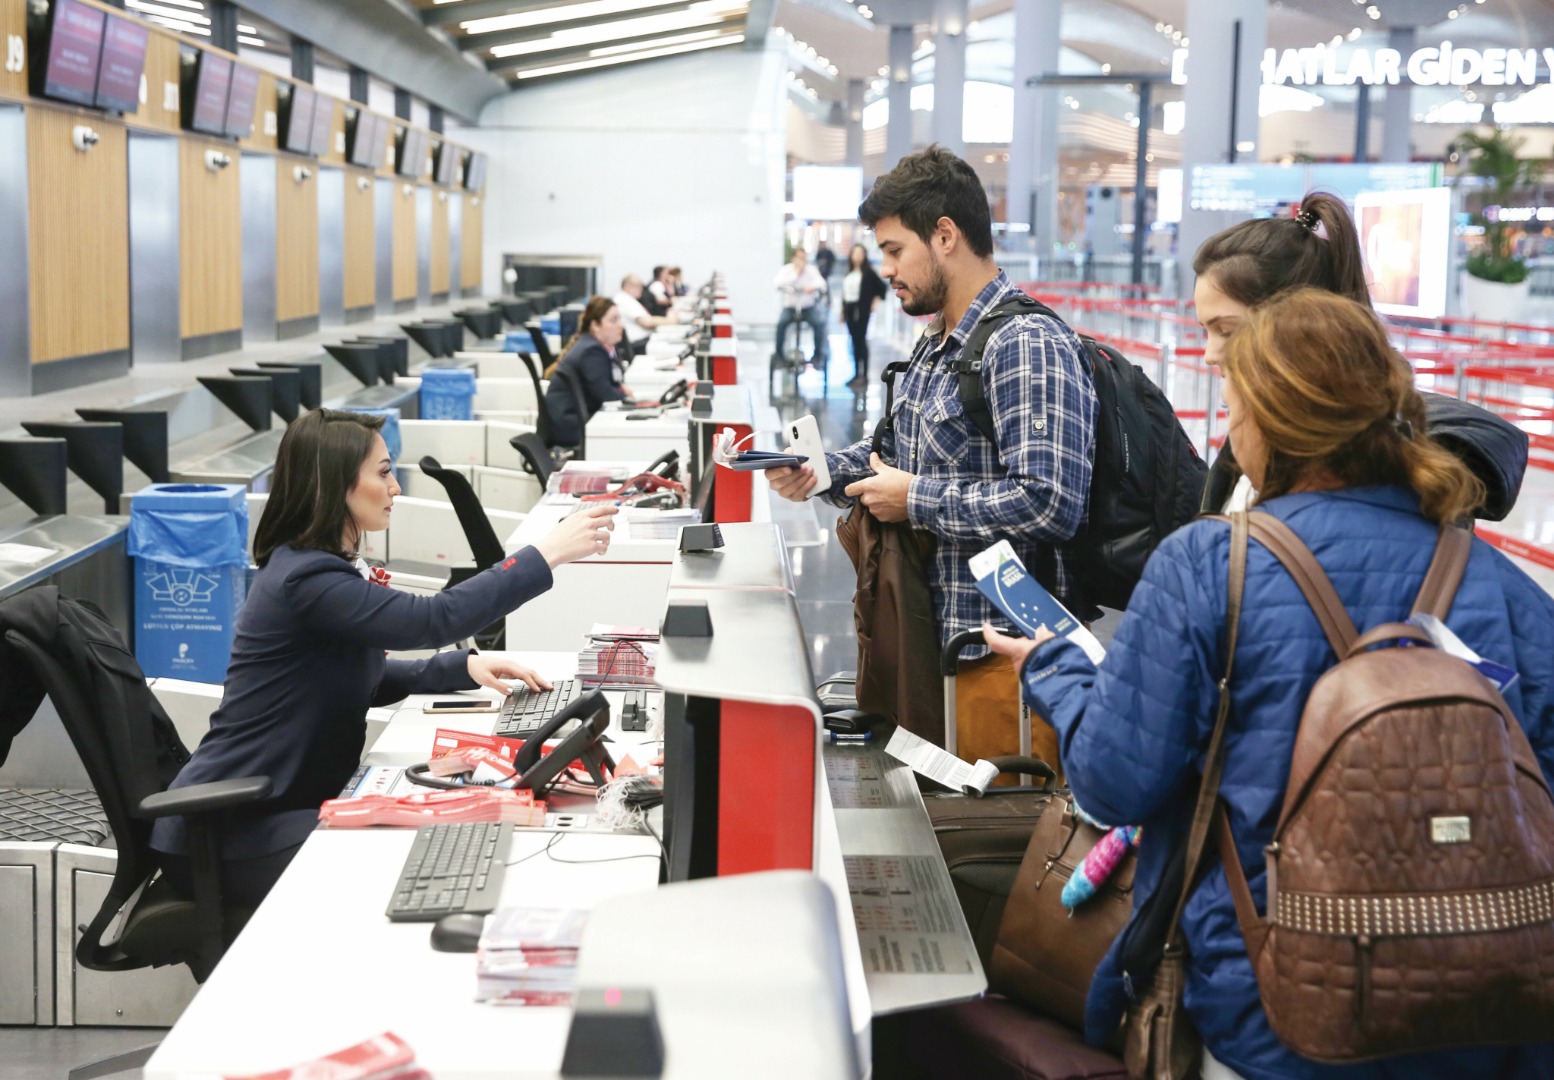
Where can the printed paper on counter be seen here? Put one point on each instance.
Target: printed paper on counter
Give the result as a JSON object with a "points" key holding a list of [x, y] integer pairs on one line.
{"points": [[940, 766]]}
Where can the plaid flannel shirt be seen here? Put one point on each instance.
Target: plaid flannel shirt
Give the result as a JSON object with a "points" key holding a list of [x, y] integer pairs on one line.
{"points": [[1031, 489]]}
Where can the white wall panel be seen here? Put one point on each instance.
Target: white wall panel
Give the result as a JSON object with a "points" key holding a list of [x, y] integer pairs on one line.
{"points": [[675, 161]]}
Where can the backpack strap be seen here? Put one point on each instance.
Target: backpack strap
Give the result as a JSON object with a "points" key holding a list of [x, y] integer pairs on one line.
{"points": [[1204, 812], [1288, 548], [1445, 573], [968, 365]]}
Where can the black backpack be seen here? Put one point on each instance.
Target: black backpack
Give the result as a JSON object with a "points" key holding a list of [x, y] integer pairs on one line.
{"points": [[1147, 477]]}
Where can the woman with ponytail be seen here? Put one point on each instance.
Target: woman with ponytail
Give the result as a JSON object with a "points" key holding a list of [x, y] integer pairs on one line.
{"points": [[1329, 430], [591, 358], [1245, 266]]}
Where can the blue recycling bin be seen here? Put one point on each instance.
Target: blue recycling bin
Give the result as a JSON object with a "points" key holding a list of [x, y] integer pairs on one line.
{"points": [[447, 394], [390, 429], [190, 546], [520, 341]]}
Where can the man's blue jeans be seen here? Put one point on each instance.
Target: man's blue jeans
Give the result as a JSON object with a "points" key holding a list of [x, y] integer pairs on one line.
{"points": [[815, 316]]}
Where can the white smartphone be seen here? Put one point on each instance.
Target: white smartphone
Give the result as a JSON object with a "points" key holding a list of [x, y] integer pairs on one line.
{"points": [[804, 434]]}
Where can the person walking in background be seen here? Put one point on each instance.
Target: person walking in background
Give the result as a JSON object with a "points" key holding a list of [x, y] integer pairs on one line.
{"points": [[802, 291], [825, 261], [862, 291]]}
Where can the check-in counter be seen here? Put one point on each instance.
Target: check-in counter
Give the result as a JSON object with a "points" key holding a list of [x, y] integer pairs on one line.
{"points": [[614, 434], [249, 463], [731, 409]]}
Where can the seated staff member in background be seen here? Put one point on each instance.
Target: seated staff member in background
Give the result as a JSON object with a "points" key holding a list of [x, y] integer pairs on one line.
{"points": [[862, 291], [1248, 264], [1330, 431], [639, 322], [592, 357], [659, 293], [308, 658]]}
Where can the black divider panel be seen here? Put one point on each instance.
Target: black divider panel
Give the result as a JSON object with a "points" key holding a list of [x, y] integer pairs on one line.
{"points": [[360, 360], [145, 438], [247, 396], [399, 346], [94, 451], [430, 338], [515, 310], [285, 389], [34, 471], [312, 384], [482, 322]]}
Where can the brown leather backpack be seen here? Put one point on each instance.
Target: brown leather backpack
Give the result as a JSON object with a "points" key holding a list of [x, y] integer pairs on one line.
{"points": [[1411, 874]]}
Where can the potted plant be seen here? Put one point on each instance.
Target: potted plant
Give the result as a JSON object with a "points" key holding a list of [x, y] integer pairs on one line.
{"points": [[1495, 287]]}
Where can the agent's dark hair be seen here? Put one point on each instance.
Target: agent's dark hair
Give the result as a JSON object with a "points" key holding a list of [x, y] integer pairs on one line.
{"points": [[316, 467], [593, 314], [1318, 249], [929, 185]]}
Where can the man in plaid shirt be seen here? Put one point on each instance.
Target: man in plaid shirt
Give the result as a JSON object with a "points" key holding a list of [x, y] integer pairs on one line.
{"points": [[931, 220]]}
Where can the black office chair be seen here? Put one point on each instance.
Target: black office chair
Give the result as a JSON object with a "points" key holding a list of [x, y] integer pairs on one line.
{"points": [[68, 650], [541, 346], [483, 541], [536, 455]]}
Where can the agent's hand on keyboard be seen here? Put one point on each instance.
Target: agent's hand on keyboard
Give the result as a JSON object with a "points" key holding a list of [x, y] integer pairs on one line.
{"points": [[496, 672], [579, 535]]}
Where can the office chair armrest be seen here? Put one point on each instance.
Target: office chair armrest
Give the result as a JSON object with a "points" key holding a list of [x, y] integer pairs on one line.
{"points": [[202, 798]]}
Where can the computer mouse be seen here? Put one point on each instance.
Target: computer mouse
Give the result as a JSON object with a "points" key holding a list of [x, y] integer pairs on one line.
{"points": [[459, 932]]}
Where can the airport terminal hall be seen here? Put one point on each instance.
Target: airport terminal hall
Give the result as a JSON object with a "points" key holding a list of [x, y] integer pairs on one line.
{"points": [[777, 539]]}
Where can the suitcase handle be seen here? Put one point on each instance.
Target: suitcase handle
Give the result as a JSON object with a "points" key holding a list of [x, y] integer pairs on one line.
{"points": [[949, 659], [1028, 766]]}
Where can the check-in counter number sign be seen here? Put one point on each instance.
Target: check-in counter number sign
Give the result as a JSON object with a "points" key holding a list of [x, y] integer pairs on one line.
{"points": [[15, 53]]}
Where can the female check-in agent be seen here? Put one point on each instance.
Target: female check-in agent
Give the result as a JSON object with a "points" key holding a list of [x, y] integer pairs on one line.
{"points": [[308, 657]]}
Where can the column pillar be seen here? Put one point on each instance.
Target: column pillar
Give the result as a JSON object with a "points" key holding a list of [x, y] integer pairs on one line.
{"points": [[949, 74], [898, 131], [1034, 171], [1397, 124], [852, 121], [1218, 89]]}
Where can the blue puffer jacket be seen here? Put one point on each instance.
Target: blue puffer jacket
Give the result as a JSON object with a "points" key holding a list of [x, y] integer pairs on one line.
{"points": [[1135, 730]]}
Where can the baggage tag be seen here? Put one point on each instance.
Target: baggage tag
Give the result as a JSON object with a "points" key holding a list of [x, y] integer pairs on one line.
{"points": [[1503, 677]]}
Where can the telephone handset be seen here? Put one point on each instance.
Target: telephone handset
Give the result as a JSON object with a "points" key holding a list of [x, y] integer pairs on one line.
{"points": [[677, 392], [666, 465], [535, 769]]}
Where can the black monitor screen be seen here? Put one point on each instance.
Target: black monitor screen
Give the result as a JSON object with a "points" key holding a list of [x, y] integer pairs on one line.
{"points": [[75, 43], [412, 154], [323, 125], [447, 163], [242, 101], [358, 137], [475, 172], [213, 78], [299, 121], [382, 130], [123, 61]]}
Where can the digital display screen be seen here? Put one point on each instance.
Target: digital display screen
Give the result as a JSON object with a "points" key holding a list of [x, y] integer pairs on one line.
{"points": [[827, 192], [299, 121], [210, 94], [412, 154], [75, 43], [475, 172], [447, 163], [363, 134], [1405, 237], [382, 129], [241, 102], [123, 61], [323, 125]]}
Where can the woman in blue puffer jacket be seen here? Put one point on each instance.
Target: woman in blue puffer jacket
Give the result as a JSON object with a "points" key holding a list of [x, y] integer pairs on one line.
{"points": [[1329, 428]]}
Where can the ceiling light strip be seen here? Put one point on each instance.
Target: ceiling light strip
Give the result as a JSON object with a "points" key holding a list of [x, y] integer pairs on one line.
{"points": [[584, 65], [615, 31], [167, 12]]}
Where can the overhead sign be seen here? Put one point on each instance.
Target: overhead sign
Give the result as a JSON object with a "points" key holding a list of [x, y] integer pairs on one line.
{"points": [[1443, 65], [1447, 65]]}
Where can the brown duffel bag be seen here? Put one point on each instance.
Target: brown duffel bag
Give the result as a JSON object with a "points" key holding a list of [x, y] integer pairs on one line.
{"points": [[1044, 956]]}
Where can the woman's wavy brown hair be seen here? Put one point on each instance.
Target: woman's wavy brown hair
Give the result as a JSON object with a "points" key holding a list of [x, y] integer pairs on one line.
{"points": [[1335, 403]]}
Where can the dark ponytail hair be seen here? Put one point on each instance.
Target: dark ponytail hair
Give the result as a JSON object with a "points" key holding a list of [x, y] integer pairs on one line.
{"points": [[319, 459], [1319, 248], [593, 314]]}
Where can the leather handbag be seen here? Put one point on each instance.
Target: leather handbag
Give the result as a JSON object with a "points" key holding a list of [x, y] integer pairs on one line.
{"points": [[1044, 955], [1159, 1040]]}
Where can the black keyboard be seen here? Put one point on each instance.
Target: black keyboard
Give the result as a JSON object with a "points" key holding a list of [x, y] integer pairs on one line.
{"points": [[526, 711], [452, 868]]}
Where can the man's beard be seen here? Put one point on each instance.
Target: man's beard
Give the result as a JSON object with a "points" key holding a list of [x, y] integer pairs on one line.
{"points": [[929, 301]]}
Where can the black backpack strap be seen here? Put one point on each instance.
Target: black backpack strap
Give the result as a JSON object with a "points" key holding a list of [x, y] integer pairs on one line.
{"points": [[887, 422], [968, 365]]}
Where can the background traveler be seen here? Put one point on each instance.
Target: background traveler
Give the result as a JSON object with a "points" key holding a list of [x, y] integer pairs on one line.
{"points": [[862, 291]]}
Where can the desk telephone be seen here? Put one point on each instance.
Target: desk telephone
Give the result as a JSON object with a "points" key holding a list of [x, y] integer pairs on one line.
{"points": [[538, 770], [677, 391]]}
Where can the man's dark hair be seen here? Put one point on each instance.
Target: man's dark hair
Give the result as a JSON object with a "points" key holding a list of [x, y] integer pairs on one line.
{"points": [[315, 469], [929, 185]]}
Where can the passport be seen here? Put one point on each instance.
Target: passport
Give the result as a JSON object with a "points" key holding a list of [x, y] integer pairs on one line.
{"points": [[1004, 580]]}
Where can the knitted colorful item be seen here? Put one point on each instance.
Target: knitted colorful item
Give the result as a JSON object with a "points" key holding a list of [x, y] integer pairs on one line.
{"points": [[1099, 863]]}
